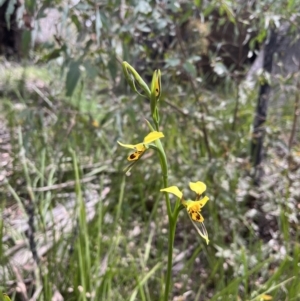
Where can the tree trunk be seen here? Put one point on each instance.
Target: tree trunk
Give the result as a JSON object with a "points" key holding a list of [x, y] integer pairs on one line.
{"points": [[262, 108], [10, 35]]}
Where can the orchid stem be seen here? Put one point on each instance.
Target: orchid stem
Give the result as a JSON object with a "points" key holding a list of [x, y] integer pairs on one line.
{"points": [[153, 94], [172, 228], [172, 218]]}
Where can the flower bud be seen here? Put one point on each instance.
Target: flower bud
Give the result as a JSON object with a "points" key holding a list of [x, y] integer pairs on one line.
{"points": [[155, 93], [134, 80]]}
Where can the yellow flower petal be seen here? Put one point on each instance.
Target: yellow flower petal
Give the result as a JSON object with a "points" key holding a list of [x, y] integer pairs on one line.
{"points": [[127, 145], [153, 136], [202, 202], [200, 227], [195, 205], [198, 187], [140, 147], [174, 190]]}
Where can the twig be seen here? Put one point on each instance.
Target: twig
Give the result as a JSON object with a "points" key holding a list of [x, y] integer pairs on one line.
{"points": [[63, 185], [43, 96], [237, 103], [21, 287], [171, 104], [236, 109], [262, 109]]}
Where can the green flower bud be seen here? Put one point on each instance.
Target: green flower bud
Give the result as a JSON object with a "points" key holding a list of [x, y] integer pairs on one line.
{"points": [[134, 80], [155, 94]]}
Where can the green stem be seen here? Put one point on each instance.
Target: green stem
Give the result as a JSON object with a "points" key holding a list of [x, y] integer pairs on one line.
{"points": [[171, 215], [164, 168], [168, 203], [172, 228], [156, 125]]}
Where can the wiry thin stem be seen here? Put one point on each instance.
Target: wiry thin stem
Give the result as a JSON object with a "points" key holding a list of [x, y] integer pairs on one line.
{"points": [[172, 215], [129, 71], [172, 228]]}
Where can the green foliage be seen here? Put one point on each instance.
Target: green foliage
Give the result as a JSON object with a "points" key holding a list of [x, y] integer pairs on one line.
{"points": [[151, 35], [73, 76]]}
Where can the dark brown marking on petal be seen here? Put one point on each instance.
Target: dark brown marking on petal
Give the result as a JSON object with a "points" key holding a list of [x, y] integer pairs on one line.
{"points": [[198, 217], [133, 157]]}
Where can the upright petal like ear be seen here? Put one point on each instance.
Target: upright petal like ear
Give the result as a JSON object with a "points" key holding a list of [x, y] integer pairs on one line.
{"points": [[202, 202], [174, 190], [198, 187], [153, 136]]}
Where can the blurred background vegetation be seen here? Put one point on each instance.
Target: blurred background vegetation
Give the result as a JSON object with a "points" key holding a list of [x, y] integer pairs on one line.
{"points": [[73, 226]]}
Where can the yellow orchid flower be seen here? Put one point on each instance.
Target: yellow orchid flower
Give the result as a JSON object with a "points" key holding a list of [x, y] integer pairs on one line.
{"points": [[141, 147], [193, 208]]}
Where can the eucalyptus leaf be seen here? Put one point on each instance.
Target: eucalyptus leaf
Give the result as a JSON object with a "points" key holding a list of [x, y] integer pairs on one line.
{"points": [[172, 62], [190, 68], [26, 40], [143, 7], [220, 69], [9, 11], [113, 67], [55, 53], [98, 26], [73, 76], [76, 22]]}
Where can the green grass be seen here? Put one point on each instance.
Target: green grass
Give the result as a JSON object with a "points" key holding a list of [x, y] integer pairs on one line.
{"points": [[101, 235]]}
